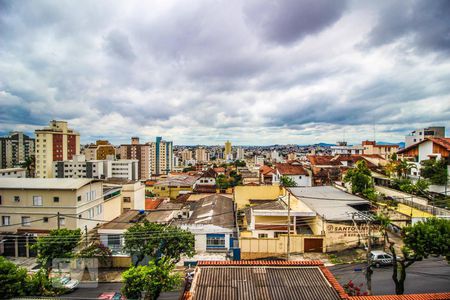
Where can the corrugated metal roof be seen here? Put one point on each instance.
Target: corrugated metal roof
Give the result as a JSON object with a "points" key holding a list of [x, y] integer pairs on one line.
{"points": [[262, 282], [328, 201]]}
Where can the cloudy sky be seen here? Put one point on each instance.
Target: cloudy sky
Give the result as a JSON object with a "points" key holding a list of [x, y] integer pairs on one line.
{"points": [[254, 72]]}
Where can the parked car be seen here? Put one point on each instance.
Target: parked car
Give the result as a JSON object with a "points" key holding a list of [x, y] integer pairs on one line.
{"points": [[66, 282], [112, 296], [381, 258]]}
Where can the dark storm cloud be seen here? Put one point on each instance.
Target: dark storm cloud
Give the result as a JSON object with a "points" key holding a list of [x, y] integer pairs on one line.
{"points": [[287, 21], [424, 24], [203, 71]]}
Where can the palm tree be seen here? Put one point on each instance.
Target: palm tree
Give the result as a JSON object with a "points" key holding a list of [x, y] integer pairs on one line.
{"points": [[29, 164], [403, 167]]}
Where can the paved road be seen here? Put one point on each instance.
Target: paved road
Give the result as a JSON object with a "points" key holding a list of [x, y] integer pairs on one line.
{"points": [[428, 276], [93, 293]]}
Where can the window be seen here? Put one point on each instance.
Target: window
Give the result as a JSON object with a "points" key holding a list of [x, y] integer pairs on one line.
{"points": [[26, 221], [300, 177], [16, 198], [0, 200], [215, 241], [45, 219], [62, 221], [113, 241], [37, 200], [91, 213], [127, 199], [6, 220], [79, 198], [262, 235], [55, 199], [99, 209]]}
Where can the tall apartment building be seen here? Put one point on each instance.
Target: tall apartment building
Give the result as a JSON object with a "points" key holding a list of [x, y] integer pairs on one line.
{"points": [[186, 155], [54, 143], [161, 156], [15, 149], [99, 151], [201, 155], [419, 135], [240, 153], [140, 152], [79, 167], [228, 151]]}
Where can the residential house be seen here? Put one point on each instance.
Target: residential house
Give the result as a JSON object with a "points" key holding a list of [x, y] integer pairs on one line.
{"points": [[266, 174], [174, 185], [212, 222], [294, 171], [207, 182]]}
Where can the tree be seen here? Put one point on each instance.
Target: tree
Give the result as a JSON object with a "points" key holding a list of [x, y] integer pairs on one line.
{"points": [[359, 177], [152, 279], [12, 278], [403, 167], [287, 181], [29, 164], [222, 182], [99, 251], [435, 170], [430, 237], [60, 243], [240, 163], [157, 240]]}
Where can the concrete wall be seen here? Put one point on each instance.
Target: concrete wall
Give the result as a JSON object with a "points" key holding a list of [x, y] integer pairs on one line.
{"points": [[242, 194]]}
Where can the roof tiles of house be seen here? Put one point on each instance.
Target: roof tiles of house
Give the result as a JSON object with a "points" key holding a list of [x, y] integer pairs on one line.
{"points": [[213, 209], [444, 142], [354, 158], [264, 280], [266, 170], [209, 173], [431, 296], [322, 160], [289, 169], [153, 203]]}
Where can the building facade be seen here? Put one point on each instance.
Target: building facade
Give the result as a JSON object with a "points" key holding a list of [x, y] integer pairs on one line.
{"points": [[79, 167], [54, 143], [139, 152], [371, 148], [343, 148], [201, 155], [161, 157], [419, 135], [13, 173], [100, 151], [15, 149], [32, 204]]}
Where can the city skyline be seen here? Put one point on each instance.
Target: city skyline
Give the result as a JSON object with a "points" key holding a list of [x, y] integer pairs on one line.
{"points": [[286, 72]]}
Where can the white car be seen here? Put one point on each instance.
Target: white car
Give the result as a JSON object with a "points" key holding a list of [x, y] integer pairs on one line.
{"points": [[68, 283], [381, 258]]}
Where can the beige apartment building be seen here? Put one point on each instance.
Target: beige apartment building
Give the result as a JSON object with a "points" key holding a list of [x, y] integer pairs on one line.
{"points": [[54, 143], [371, 148], [161, 157], [100, 151], [138, 151], [186, 155], [31, 204], [201, 155]]}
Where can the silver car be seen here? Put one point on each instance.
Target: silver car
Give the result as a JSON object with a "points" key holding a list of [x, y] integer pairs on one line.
{"points": [[381, 258]]}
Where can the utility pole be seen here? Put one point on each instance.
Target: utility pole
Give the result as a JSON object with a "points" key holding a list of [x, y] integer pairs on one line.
{"points": [[369, 260], [59, 225], [289, 225]]}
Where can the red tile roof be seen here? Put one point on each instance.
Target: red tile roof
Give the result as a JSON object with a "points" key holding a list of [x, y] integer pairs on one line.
{"points": [[431, 296], [266, 170], [259, 263], [288, 169], [152, 203], [322, 160], [444, 142]]}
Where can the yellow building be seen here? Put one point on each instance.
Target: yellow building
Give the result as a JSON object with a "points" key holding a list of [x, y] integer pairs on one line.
{"points": [[32, 204], [228, 149], [174, 185], [100, 150], [54, 143], [243, 194]]}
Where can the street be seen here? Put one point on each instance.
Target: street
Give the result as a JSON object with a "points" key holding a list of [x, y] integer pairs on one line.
{"points": [[429, 276], [84, 293]]}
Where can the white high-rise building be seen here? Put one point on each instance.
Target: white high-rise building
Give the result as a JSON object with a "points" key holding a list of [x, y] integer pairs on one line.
{"points": [[161, 156], [240, 153]]}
